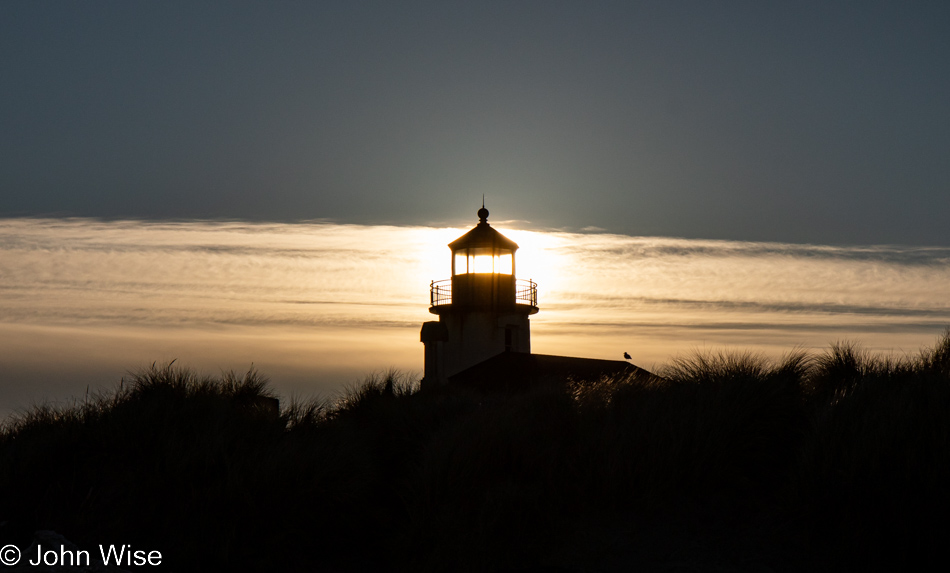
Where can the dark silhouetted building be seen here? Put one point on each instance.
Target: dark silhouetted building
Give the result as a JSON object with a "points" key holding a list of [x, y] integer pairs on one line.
{"points": [[483, 335]]}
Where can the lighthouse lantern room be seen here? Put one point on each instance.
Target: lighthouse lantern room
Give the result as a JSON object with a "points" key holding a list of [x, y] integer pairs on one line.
{"points": [[483, 309]]}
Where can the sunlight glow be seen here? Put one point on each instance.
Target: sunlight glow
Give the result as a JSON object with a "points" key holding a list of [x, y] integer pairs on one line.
{"points": [[542, 258], [503, 264], [483, 261], [316, 304]]}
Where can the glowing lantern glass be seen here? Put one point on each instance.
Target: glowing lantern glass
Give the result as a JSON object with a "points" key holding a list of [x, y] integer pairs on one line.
{"points": [[484, 260]]}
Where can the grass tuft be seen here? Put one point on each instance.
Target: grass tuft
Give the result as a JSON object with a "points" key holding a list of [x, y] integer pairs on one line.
{"points": [[832, 461]]}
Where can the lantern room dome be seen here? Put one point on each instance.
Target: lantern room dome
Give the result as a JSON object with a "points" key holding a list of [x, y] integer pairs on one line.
{"points": [[483, 236]]}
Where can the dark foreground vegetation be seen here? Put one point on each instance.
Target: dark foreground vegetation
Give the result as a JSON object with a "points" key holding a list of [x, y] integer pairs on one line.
{"points": [[730, 463]]}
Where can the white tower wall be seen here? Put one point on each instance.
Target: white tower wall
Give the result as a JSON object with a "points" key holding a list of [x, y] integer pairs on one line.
{"points": [[477, 335]]}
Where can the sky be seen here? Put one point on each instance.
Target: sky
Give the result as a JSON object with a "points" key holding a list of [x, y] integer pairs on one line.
{"points": [[239, 183], [799, 122]]}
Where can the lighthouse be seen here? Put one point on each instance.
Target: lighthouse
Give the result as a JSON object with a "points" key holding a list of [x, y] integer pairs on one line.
{"points": [[483, 308], [483, 336]]}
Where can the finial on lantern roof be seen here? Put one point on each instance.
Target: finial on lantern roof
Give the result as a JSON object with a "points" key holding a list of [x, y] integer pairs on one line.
{"points": [[483, 212]]}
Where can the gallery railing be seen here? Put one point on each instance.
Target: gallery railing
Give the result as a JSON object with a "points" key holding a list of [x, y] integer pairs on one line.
{"points": [[440, 292], [526, 292]]}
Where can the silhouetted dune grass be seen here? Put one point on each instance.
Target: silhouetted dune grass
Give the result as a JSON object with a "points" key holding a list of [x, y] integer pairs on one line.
{"points": [[724, 462], [875, 476]]}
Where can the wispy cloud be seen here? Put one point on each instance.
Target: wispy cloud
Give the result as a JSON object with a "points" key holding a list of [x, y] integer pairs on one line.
{"points": [[600, 294]]}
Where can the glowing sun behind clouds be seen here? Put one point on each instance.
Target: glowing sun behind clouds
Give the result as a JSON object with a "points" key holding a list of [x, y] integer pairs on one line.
{"points": [[318, 305]]}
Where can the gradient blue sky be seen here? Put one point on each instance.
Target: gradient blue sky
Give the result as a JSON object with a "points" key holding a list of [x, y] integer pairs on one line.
{"points": [[820, 122]]}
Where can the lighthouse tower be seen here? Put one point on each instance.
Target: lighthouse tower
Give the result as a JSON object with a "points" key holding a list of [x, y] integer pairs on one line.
{"points": [[483, 309]]}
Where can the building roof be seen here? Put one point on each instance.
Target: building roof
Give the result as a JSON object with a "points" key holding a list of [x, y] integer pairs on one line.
{"points": [[483, 235], [516, 370]]}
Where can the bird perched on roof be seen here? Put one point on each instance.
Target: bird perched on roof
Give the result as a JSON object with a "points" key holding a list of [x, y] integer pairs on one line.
{"points": [[627, 356]]}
